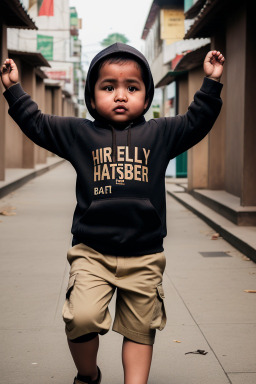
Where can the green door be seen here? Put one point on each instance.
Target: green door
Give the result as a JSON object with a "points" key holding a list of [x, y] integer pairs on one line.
{"points": [[181, 165]]}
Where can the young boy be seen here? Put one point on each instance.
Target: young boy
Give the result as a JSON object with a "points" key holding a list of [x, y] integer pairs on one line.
{"points": [[120, 219]]}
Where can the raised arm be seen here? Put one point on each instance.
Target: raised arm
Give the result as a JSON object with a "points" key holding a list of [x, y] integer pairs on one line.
{"points": [[53, 133], [184, 131]]}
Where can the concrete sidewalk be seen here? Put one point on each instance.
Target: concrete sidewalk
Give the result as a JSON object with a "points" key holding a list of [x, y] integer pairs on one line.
{"points": [[206, 305], [242, 238], [16, 177]]}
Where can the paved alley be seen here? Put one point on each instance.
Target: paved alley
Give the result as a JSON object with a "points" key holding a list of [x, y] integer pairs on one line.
{"points": [[205, 282]]}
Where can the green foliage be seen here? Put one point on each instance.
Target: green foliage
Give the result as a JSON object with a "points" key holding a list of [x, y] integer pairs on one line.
{"points": [[114, 38]]}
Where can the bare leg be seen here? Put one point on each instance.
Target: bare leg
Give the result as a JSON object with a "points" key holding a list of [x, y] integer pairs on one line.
{"points": [[136, 362], [85, 357]]}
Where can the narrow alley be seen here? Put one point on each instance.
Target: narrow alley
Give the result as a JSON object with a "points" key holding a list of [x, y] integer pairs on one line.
{"points": [[205, 282]]}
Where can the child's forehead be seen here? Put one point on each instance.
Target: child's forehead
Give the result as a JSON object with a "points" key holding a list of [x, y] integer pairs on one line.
{"points": [[120, 68]]}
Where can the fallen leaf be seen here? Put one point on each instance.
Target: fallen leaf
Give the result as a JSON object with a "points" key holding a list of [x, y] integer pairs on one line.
{"points": [[250, 290], [245, 258], [215, 236], [7, 211], [177, 341]]}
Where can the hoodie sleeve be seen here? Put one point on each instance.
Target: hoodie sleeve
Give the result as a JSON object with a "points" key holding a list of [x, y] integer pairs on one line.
{"points": [[54, 133], [184, 131]]}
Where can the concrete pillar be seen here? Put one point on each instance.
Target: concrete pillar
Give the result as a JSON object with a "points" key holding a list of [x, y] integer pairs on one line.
{"points": [[183, 95], [28, 79], [248, 196], [3, 104], [57, 101], [40, 153], [235, 99], [197, 155], [14, 136], [216, 172], [48, 100]]}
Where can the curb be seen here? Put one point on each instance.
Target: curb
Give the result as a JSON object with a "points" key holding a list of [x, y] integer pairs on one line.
{"points": [[234, 240], [19, 182]]}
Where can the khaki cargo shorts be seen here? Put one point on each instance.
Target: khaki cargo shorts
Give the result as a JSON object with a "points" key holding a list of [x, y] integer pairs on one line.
{"points": [[94, 277]]}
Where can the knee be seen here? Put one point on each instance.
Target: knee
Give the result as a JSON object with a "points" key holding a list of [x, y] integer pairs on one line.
{"points": [[85, 318]]}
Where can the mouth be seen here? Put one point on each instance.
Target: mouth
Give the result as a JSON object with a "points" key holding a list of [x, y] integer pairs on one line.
{"points": [[120, 109]]}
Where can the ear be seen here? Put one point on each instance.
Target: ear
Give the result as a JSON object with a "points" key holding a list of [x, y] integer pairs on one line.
{"points": [[93, 103], [146, 103]]}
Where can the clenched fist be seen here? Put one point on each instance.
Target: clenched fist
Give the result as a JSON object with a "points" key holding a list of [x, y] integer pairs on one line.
{"points": [[213, 65], [9, 73]]}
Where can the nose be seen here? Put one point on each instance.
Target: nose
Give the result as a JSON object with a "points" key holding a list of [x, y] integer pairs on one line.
{"points": [[120, 95]]}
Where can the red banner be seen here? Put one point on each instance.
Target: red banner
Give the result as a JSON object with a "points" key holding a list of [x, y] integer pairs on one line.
{"points": [[45, 8]]}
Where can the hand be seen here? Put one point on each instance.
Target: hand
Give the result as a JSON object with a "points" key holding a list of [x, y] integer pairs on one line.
{"points": [[9, 73], [213, 65]]}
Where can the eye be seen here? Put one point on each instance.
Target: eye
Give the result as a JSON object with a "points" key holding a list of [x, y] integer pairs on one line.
{"points": [[132, 89], [109, 88]]}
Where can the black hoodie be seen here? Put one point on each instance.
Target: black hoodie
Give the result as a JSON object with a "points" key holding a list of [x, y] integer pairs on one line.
{"points": [[120, 189]]}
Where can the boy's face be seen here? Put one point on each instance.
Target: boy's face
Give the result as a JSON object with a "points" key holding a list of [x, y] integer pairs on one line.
{"points": [[119, 93]]}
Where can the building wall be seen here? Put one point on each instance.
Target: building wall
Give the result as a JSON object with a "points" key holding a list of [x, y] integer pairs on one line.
{"points": [[3, 106], [217, 136], [40, 153], [56, 26], [197, 155], [14, 138], [183, 95], [248, 196], [235, 72]]}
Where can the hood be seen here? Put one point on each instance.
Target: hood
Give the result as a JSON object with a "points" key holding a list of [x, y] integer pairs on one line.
{"points": [[102, 55]]}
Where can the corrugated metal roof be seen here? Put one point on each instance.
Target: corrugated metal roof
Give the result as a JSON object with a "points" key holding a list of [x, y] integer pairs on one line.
{"points": [[169, 77], [15, 16], [192, 59], [194, 9], [210, 19]]}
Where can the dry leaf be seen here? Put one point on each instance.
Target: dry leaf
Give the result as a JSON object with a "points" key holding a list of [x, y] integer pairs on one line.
{"points": [[7, 211], [245, 258], [250, 290], [215, 236], [177, 341]]}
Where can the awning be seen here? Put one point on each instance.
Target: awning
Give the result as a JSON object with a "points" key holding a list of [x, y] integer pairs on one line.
{"points": [[34, 59], [193, 11], [15, 16], [193, 59], [210, 18], [41, 73], [169, 78]]}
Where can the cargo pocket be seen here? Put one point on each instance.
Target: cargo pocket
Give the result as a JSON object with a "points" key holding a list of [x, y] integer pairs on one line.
{"points": [[159, 315], [67, 312]]}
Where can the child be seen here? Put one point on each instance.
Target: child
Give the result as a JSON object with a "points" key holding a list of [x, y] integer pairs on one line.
{"points": [[120, 219]]}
